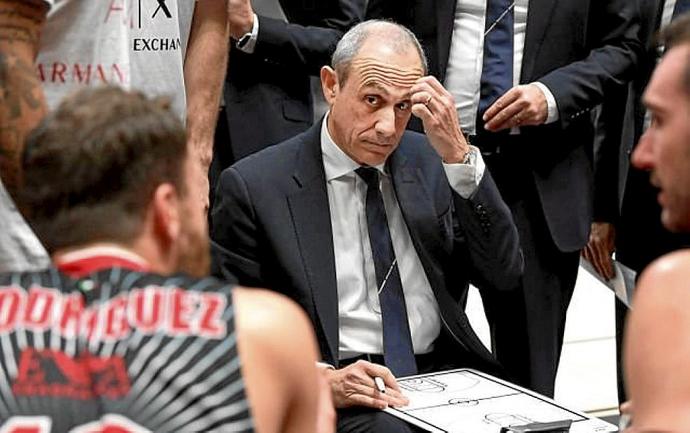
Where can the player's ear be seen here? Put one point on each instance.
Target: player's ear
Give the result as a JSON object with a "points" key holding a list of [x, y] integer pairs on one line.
{"points": [[166, 213]]}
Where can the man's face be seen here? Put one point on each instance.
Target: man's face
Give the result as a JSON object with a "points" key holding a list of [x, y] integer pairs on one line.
{"points": [[194, 256], [369, 112], [664, 149]]}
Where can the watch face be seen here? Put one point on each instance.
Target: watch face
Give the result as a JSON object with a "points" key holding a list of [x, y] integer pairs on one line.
{"points": [[243, 40]]}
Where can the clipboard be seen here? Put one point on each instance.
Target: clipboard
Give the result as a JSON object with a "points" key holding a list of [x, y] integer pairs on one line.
{"points": [[469, 401]]}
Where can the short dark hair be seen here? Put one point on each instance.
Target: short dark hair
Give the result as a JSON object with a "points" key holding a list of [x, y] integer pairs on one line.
{"points": [[675, 34], [91, 166]]}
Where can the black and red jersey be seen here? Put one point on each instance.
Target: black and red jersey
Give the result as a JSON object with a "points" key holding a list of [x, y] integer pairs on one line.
{"points": [[118, 351]]}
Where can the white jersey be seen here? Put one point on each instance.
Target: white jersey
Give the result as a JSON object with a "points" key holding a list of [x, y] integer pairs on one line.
{"points": [[136, 44]]}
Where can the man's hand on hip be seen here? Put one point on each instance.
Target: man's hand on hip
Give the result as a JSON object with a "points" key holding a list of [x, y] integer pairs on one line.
{"points": [[432, 103], [354, 386]]}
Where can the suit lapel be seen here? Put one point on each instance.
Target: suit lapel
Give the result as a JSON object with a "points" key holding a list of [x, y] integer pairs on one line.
{"points": [[417, 206], [538, 19], [415, 203], [445, 19], [312, 224]]}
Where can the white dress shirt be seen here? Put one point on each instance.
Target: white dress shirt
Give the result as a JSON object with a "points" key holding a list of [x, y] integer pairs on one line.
{"points": [[358, 302], [464, 71], [667, 13]]}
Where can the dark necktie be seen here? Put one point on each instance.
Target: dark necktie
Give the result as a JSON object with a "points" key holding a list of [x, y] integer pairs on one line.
{"points": [[497, 66], [397, 341], [681, 7]]}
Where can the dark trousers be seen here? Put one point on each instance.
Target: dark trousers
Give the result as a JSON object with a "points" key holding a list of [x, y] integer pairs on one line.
{"points": [[548, 283], [363, 420], [528, 338]]}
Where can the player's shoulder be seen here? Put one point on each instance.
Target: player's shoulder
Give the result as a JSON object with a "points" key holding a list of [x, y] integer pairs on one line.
{"points": [[672, 267], [270, 318], [267, 308], [674, 262], [669, 274]]}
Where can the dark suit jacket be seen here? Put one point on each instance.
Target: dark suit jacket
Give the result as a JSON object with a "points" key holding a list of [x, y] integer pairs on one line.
{"points": [[579, 49], [267, 93], [271, 220], [623, 194]]}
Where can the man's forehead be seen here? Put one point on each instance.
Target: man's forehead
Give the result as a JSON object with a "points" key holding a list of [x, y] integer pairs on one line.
{"points": [[374, 72], [666, 85]]}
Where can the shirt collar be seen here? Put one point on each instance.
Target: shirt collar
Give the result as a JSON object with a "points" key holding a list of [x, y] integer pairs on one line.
{"points": [[337, 163], [102, 256]]}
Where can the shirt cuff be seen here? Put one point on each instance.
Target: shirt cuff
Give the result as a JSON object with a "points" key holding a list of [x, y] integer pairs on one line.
{"points": [[324, 365], [552, 106], [465, 178], [251, 43]]}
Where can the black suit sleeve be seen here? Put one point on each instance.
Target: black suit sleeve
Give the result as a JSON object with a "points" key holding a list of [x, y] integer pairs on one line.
{"points": [[309, 38], [490, 238], [608, 140], [234, 232], [614, 51], [620, 123]]}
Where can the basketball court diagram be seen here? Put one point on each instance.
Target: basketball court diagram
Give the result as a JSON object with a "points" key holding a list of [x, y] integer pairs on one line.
{"points": [[467, 401]]}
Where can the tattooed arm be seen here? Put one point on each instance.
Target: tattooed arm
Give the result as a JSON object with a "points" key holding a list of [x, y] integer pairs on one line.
{"points": [[22, 104]]}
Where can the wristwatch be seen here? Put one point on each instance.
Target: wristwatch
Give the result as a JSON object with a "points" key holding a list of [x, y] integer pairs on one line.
{"points": [[244, 39], [244, 43], [468, 156]]}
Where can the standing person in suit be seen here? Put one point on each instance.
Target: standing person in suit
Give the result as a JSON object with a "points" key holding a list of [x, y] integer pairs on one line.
{"points": [[657, 349], [375, 231], [276, 47], [525, 75], [629, 226]]}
